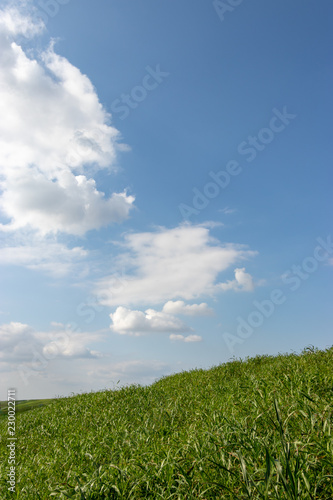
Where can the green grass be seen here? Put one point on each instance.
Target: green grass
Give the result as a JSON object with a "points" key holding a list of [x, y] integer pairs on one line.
{"points": [[23, 405], [254, 429]]}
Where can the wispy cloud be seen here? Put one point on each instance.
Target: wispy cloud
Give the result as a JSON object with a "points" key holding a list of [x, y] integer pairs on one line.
{"points": [[227, 211]]}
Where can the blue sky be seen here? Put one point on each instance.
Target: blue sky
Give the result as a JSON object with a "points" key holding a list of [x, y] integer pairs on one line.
{"points": [[165, 193]]}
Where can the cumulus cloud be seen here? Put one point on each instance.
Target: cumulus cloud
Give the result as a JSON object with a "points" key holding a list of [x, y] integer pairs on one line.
{"points": [[69, 204], [179, 307], [243, 282], [179, 263], [189, 338], [54, 136], [129, 322]]}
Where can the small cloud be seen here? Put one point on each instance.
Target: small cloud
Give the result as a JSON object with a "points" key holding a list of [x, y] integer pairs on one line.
{"points": [[182, 338], [174, 336], [179, 307], [71, 348], [243, 282], [227, 211], [130, 322], [193, 338], [210, 224]]}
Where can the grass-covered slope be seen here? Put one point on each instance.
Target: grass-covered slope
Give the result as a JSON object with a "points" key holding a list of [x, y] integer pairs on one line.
{"points": [[260, 428]]}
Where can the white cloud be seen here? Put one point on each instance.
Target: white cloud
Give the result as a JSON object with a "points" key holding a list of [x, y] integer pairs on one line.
{"points": [[11, 335], [128, 322], [189, 338], [180, 263], [69, 204], [43, 254], [54, 137], [19, 343], [73, 346], [13, 22], [179, 307], [243, 282], [193, 338]]}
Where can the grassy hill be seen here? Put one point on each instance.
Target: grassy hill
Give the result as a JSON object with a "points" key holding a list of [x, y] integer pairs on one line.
{"points": [[254, 429]]}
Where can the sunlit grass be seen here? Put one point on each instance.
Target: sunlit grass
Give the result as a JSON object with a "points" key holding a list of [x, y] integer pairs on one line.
{"points": [[254, 429]]}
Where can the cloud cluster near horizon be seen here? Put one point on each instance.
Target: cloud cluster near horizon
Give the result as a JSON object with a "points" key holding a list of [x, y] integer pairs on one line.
{"points": [[20, 343]]}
